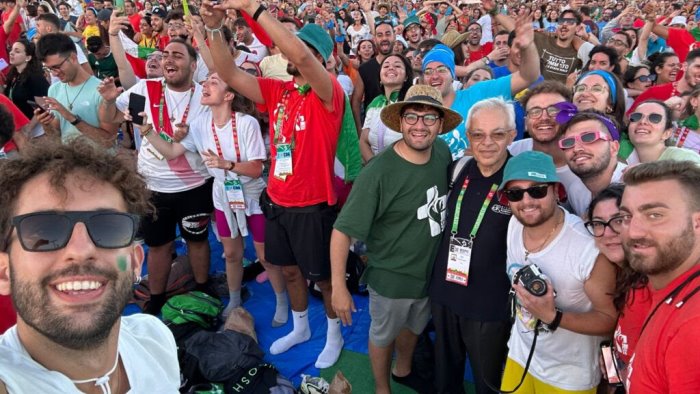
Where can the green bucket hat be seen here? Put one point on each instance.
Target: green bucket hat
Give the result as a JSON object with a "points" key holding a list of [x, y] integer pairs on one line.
{"points": [[317, 38], [530, 166], [411, 20]]}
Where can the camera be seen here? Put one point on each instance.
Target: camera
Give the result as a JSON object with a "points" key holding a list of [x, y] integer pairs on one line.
{"points": [[531, 278]]}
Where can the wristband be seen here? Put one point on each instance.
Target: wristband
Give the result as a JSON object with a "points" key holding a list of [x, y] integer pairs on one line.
{"points": [[231, 166], [217, 30], [259, 11], [557, 320], [146, 130]]}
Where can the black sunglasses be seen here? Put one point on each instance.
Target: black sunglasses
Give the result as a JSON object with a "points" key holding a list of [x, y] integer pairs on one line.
{"points": [[48, 231], [647, 78], [536, 192], [652, 118], [597, 227]]}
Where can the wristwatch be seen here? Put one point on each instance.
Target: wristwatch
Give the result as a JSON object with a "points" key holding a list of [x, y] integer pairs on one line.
{"points": [[77, 120], [557, 320]]}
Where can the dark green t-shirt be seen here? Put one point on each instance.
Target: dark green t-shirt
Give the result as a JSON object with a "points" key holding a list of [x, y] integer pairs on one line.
{"points": [[398, 208], [105, 67]]}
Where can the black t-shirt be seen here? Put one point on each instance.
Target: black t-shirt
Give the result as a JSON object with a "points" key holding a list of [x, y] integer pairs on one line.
{"points": [[369, 72], [35, 85], [485, 298]]}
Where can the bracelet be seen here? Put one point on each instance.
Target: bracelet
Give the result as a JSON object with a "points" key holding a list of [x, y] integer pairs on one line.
{"points": [[146, 131], [259, 11], [232, 166], [217, 30], [486, 59], [557, 320]]}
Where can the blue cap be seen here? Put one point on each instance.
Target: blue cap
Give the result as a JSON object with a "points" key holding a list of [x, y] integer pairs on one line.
{"points": [[442, 54]]}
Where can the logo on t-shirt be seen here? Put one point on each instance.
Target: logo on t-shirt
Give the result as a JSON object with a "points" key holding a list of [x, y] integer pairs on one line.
{"points": [[556, 64], [434, 210]]}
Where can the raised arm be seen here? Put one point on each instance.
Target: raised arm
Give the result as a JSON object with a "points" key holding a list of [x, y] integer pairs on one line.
{"points": [[529, 60], [126, 73], [7, 26], [507, 22]]}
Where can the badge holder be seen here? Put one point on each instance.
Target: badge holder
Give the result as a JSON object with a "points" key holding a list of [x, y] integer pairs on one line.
{"points": [[234, 193], [283, 164]]}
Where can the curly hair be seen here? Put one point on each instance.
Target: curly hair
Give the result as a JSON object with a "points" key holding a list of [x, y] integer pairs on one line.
{"points": [[61, 162]]}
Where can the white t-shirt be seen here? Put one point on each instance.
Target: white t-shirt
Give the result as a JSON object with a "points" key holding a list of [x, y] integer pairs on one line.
{"points": [[357, 35], [251, 147], [258, 51], [146, 347], [562, 358], [200, 74], [581, 200], [180, 174]]}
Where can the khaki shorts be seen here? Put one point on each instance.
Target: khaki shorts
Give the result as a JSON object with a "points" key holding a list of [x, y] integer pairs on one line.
{"points": [[391, 315]]}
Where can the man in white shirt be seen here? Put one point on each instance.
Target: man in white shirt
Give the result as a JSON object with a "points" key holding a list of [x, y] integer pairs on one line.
{"points": [[69, 260]]}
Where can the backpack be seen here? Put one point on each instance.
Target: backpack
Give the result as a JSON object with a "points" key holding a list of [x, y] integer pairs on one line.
{"points": [[354, 268], [180, 281], [193, 307]]}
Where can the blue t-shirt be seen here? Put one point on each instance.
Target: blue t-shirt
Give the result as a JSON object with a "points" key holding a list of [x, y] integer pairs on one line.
{"points": [[82, 100], [464, 100]]}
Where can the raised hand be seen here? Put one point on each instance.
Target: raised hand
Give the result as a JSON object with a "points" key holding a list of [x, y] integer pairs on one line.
{"points": [[524, 33], [212, 17], [108, 89]]}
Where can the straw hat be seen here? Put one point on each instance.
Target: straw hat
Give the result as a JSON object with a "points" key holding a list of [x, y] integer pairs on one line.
{"points": [[452, 38], [425, 95]]}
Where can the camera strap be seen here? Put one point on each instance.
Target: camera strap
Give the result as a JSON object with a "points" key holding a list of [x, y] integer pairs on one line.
{"points": [[671, 295], [527, 364]]}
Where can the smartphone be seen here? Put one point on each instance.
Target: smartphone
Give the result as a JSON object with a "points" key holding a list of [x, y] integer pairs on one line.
{"points": [[34, 105], [3, 64], [611, 373], [137, 104]]}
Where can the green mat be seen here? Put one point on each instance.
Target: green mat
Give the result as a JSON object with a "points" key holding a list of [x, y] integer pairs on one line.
{"points": [[357, 370]]}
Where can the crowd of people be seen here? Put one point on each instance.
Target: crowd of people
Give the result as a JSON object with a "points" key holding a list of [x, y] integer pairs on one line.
{"points": [[524, 178]]}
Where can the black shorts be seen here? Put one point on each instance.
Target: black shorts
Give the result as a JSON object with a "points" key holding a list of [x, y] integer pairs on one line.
{"points": [[301, 236], [190, 210]]}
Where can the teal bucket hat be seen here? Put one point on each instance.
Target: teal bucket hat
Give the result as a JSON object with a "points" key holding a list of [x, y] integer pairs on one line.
{"points": [[314, 35], [530, 166]]}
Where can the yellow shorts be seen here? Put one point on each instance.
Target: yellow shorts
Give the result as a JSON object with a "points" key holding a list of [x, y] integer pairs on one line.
{"points": [[531, 385]]}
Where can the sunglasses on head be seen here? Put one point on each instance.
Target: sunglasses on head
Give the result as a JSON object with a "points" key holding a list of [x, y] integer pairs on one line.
{"points": [[537, 192], [587, 137], [48, 231], [652, 118]]}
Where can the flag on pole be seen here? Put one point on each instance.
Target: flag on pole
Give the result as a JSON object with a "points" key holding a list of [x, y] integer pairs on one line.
{"points": [[185, 8], [136, 55]]}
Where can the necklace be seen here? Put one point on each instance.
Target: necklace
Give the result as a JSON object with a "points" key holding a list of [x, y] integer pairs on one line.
{"points": [[70, 103], [103, 381], [542, 245], [176, 106]]}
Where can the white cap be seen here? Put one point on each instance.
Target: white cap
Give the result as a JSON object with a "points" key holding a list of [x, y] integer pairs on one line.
{"points": [[679, 20]]}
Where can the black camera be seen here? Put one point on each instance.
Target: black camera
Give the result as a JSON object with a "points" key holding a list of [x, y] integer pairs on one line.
{"points": [[531, 278]]}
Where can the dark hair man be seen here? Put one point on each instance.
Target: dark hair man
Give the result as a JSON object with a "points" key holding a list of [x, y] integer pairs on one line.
{"points": [[69, 261]]}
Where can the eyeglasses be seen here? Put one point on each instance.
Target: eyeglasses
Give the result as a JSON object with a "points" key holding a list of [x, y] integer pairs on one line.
{"points": [[58, 66], [48, 231], [567, 21], [597, 89], [618, 43], [442, 70], [587, 137], [646, 78], [652, 118], [537, 192], [496, 136], [536, 112], [428, 119], [597, 227]]}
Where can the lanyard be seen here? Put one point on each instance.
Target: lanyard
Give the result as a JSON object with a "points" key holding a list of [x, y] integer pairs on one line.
{"points": [[235, 137], [283, 117], [684, 134], [482, 211], [162, 106]]}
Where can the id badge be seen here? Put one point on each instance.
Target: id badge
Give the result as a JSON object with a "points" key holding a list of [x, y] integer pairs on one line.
{"points": [[458, 260], [283, 164], [234, 194]]}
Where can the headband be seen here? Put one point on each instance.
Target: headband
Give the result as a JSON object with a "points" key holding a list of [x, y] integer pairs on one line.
{"points": [[567, 111], [608, 79]]}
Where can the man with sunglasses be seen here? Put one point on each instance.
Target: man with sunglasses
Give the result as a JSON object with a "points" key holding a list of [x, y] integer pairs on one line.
{"points": [[72, 104], [590, 144], [477, 224], [69, 261], [397, 206], [543, 234]]}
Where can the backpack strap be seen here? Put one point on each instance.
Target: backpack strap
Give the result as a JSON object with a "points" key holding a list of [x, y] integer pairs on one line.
{"points": [[457, 169]]}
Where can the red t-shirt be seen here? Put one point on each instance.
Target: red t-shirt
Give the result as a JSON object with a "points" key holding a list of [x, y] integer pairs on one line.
{"points": [[666, 358], [630, 323], [17, 116], [682, 42], [316, 131], [16, 28], [660, 92], [135, 21], [3, 52], [480, 54]]}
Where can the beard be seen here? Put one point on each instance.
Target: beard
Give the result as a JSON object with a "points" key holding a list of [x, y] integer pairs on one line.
{"points": [[669, 256], [33, 304], [594, 169], [546, 213]]}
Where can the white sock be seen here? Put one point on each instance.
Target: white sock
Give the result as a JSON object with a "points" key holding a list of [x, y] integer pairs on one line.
{"points": [[300, 333], [334, 345], [281, 310], [233, 303]]}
